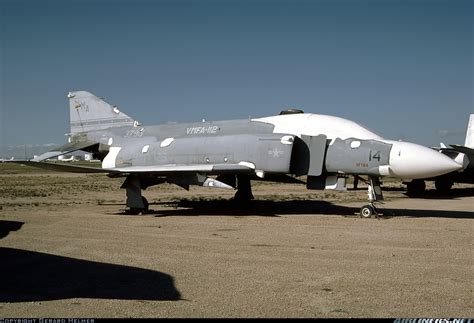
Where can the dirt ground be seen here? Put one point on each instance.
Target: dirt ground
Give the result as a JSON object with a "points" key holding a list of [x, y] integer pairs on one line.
{"points": [[68, 250]]}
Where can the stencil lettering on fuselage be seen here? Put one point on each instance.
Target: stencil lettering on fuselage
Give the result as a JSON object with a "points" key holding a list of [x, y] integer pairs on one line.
{"points": [[202, 130]]}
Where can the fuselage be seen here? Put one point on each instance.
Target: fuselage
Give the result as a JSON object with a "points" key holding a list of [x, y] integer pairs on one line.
{"points": [[406, 160], [395, 159], [298, 124]]}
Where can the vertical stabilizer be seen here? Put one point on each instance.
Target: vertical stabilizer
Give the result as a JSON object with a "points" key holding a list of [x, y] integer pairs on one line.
{"points": [[88, 112], [470, 133]]}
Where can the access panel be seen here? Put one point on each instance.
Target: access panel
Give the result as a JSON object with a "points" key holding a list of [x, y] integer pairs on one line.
{"points": [[308, 155]]}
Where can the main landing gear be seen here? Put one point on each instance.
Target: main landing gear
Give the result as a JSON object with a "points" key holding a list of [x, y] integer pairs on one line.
{"points": [[244, 190], [136, 203], [374, 193]]}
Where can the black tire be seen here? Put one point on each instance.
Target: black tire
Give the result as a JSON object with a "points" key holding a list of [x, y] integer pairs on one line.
{"points": [[242, 196], [443, 186], [137, 211], [416, 188], [134, 211], [145, 203]]}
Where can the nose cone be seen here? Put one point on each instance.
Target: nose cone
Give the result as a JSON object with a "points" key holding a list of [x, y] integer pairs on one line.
{"points": [[412, 161]]}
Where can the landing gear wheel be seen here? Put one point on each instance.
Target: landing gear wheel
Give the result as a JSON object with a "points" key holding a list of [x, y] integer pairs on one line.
{"points": [[137, 211], [416, 188], [367, 211], [240, 196], [133, 211], [244, 195], [146, 204], [243, 199], [443, 186]]}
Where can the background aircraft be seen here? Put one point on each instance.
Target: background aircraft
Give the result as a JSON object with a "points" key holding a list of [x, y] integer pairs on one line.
{"points": [[326, 149], [462, 154]]}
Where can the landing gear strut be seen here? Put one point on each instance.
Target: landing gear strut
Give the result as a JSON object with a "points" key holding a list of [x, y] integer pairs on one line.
{"points": [[374, 193]]}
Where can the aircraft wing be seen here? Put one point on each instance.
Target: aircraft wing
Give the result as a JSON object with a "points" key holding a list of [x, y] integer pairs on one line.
{"points": [[197, 168], [463, 149], [158, 169], [469, 152], [61, 167]]}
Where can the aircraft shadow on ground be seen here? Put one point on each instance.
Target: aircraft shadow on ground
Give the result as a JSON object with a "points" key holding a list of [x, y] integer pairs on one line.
{"points": [[288, 207], [450, 195], [430, 193], [27, 276], [8, 226]]}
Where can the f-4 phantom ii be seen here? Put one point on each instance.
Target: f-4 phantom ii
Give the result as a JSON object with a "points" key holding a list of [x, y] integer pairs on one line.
{"points": [[229, 154]]}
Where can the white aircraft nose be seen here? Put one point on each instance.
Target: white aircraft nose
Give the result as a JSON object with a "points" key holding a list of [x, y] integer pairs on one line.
{"points": [[412, 161]]}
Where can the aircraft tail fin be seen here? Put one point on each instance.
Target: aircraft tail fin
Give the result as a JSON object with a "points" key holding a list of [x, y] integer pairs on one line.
{"points": [[88, 112], [470, 133]]}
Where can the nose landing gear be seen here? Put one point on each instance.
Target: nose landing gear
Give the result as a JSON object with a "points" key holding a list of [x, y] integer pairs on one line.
{"points": [[368, 210], [374, 192]]}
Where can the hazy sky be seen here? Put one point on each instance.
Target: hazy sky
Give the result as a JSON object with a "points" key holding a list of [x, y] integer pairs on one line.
{"points": [[402, 68]]}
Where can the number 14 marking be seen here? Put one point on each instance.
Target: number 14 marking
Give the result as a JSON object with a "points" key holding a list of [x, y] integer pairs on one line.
{"points": [[375, 156]]}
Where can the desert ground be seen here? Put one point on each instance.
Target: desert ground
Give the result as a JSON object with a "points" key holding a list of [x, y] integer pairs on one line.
{"points": [[67, 249]]}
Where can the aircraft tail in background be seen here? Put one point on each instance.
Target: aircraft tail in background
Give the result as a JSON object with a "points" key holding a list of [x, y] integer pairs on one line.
{"points": [[470, 133]]}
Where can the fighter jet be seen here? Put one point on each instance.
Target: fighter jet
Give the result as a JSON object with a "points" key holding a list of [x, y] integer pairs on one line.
{"points": [[4, 160], [463, 155], [229, 154]]}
